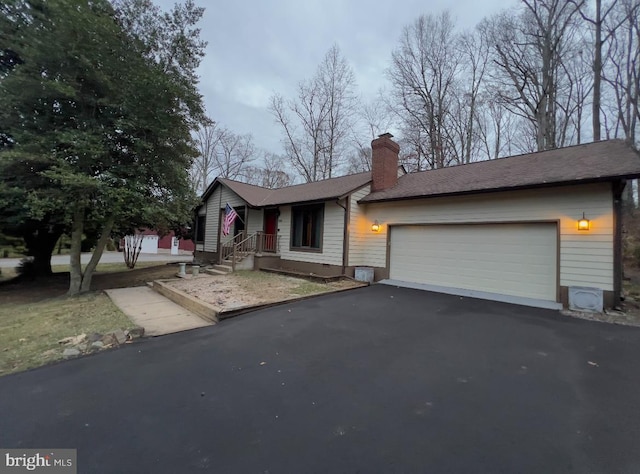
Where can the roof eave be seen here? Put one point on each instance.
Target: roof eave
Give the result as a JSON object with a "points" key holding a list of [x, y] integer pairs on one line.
{"points": [[209, 191], [295, 203], [503, 189]]}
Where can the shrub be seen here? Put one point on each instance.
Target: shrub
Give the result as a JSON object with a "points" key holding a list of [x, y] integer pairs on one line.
{"points": [[111, 245], [26, 268]]}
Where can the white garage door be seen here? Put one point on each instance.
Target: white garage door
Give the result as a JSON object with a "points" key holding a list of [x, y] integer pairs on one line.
{"points": [[505, 259]]}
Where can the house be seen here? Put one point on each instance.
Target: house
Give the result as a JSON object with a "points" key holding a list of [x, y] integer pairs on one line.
{"points": [[530, 229], [168, 243]]}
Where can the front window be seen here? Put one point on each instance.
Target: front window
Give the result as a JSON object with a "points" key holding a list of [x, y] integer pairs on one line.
{"points": [[306, 227]]}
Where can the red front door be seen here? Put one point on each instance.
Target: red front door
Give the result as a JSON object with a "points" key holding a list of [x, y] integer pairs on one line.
{"points": [[270, 229]]}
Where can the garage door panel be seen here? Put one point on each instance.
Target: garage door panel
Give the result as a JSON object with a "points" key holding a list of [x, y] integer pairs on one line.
{"points": [[512, 259]]}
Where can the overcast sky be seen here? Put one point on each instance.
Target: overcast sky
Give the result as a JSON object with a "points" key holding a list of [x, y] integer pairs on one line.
{"points": [[258, 47]]}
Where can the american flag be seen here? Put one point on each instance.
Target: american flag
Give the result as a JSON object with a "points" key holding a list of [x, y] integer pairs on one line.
{"points": [[230, 215]]}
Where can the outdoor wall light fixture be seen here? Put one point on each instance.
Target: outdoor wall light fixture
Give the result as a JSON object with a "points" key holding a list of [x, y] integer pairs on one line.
{"points": [[584, 223], [375, 227]]}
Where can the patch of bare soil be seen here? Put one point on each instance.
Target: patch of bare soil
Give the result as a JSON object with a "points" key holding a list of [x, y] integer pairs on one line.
{"points": [[31, 291], [628, 314], [240, 289], [626, 317]]}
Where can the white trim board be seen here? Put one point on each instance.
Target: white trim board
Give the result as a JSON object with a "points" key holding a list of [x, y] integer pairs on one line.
{"points": [[483, 295]]}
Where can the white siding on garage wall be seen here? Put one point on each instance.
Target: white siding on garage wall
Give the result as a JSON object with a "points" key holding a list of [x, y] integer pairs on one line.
{"points": [[586, 258], [332, 236], [359, 230], [213, 205]]}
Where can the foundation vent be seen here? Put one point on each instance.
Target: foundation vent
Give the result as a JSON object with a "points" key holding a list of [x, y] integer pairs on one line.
{"points": [[585, 299]]}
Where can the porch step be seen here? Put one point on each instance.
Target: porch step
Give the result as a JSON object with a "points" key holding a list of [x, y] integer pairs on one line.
{"points": [[223, 267]]}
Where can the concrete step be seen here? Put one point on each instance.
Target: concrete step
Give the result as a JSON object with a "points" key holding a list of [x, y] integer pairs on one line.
{"points": [[223, 268]]}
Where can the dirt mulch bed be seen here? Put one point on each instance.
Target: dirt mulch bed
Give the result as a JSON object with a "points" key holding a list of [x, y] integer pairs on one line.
{"points": [[31, 291], [243, 288]]}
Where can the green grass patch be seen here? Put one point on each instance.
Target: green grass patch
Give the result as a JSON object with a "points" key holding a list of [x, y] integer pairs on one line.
{"points": [[29, 333], [309, 288]]}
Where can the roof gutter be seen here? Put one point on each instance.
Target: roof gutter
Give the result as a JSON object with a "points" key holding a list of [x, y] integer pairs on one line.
{"points": [[500, 190], [345, 235]]}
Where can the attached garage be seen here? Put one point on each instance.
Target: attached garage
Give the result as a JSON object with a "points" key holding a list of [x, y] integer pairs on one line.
{"points": [[514, 260]]}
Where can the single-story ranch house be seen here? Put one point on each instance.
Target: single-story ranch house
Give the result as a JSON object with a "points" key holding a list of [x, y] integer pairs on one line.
{"points": [[531, 229]]}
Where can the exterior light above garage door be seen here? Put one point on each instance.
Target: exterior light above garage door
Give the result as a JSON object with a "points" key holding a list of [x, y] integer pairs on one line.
{"points": [[375, 227], [584, 223]]}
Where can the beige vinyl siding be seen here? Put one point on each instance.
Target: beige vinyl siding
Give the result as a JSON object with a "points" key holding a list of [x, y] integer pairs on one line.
{"points": [[254, 221], [213, 204], [586, 258], [332, 237], [359, 229]]}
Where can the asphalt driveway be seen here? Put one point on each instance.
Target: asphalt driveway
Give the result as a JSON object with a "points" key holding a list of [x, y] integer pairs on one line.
{"points": [[379, 379]]}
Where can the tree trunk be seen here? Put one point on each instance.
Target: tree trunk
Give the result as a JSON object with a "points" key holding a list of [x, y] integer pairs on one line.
{"points": [[40, 246], [75, 267], [97, 254], [597, 72]]}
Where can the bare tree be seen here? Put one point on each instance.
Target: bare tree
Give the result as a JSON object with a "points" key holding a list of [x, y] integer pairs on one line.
{"points": [[132, 248], [423, 76], [474, 55], [271, 175], [373, 118], [623, 71], [528, 53], [234, 154], [494, 126], [597, 20], [337, 81], [577, 87], [207, 139], [315, 124]]}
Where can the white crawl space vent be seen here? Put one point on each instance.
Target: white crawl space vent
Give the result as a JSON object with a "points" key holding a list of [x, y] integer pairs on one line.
{"points": [[585, 299], [364, 274]]}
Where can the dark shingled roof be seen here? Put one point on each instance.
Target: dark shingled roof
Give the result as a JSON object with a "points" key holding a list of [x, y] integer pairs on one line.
{"points": [[250, 193], [332, 188], [599, 161]]}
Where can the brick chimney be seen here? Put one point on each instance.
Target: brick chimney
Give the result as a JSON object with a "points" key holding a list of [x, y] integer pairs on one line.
{"points": [[384, 162]]}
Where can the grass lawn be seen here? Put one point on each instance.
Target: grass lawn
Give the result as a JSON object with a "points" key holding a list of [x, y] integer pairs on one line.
{"points": [[29, 332], [35, 315]]}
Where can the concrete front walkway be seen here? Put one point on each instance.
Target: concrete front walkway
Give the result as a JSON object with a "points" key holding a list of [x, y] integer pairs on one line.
{"points": [[155, 313]]}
